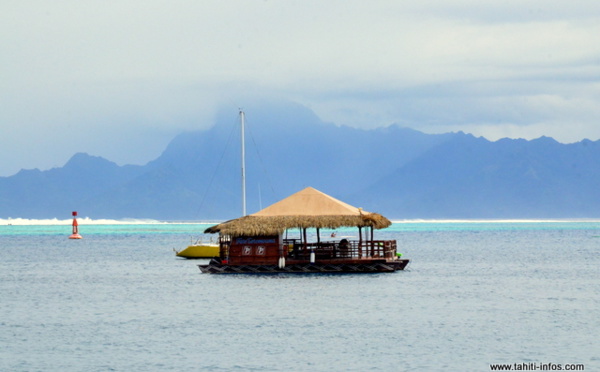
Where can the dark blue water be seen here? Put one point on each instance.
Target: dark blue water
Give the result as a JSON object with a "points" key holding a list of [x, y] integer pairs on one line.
{"points": [[474, 294]]}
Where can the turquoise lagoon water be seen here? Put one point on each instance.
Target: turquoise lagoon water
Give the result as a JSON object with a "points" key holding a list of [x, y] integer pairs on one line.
{"points": [[475, 294]]}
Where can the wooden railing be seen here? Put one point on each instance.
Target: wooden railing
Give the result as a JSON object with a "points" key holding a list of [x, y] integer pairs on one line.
{"points": [[295, 249], [350, 249]]}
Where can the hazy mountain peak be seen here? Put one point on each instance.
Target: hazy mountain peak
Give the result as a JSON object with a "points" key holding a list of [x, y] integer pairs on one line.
{"points": [[397, 171]]}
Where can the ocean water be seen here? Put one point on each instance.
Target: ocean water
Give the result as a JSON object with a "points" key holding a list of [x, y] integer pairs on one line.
{"points": [[474, 294]]}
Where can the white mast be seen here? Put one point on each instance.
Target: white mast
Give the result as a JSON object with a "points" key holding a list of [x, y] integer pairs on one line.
{"points": [[243, 165]]}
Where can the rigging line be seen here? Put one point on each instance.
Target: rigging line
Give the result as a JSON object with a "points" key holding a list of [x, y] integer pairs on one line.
{"points": [[261, 160], [216, 168]]}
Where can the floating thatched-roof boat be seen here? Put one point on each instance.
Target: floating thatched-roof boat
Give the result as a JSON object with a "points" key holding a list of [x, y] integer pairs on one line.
{"points": [[258, 243]]}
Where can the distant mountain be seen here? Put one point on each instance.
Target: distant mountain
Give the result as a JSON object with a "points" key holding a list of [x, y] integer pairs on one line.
{"points": [[468, 177], [399, 172], [48, 194]]}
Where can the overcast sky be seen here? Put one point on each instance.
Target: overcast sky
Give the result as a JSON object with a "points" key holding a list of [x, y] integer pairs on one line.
{"points": [[119, 79]]}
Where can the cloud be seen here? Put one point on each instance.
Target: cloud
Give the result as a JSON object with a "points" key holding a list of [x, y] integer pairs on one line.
{"points": [[119, 79]]}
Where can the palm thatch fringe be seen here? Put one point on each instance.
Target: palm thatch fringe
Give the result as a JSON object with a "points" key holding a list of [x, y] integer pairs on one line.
{"points": [[273, 225]]}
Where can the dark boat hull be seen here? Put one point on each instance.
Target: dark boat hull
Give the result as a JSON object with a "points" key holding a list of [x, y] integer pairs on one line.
{"points": [[375, 266]]}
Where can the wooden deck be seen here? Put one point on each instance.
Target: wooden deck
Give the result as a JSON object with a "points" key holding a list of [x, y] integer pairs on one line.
{"points": [[361, 266]]}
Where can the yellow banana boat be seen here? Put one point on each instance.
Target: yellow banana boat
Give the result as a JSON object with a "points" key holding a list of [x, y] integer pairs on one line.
{"points": [[199, 251]]}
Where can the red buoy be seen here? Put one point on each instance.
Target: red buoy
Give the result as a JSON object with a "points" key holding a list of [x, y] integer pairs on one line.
{"points": [[75, 234]]}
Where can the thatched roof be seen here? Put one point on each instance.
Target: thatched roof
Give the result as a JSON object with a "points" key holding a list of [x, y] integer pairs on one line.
{"points": [[309, 208]]}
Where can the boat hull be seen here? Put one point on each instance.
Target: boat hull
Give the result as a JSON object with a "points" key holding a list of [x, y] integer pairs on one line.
{"points": [[376, 266], [199, 251]]}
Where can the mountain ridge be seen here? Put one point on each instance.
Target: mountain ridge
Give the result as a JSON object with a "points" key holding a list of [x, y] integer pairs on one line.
{"points": [[396, 171]]}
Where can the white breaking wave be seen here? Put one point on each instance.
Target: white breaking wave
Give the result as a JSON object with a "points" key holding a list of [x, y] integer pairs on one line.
{"points": [[498, 221], [81, 221], [133, 221]]}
